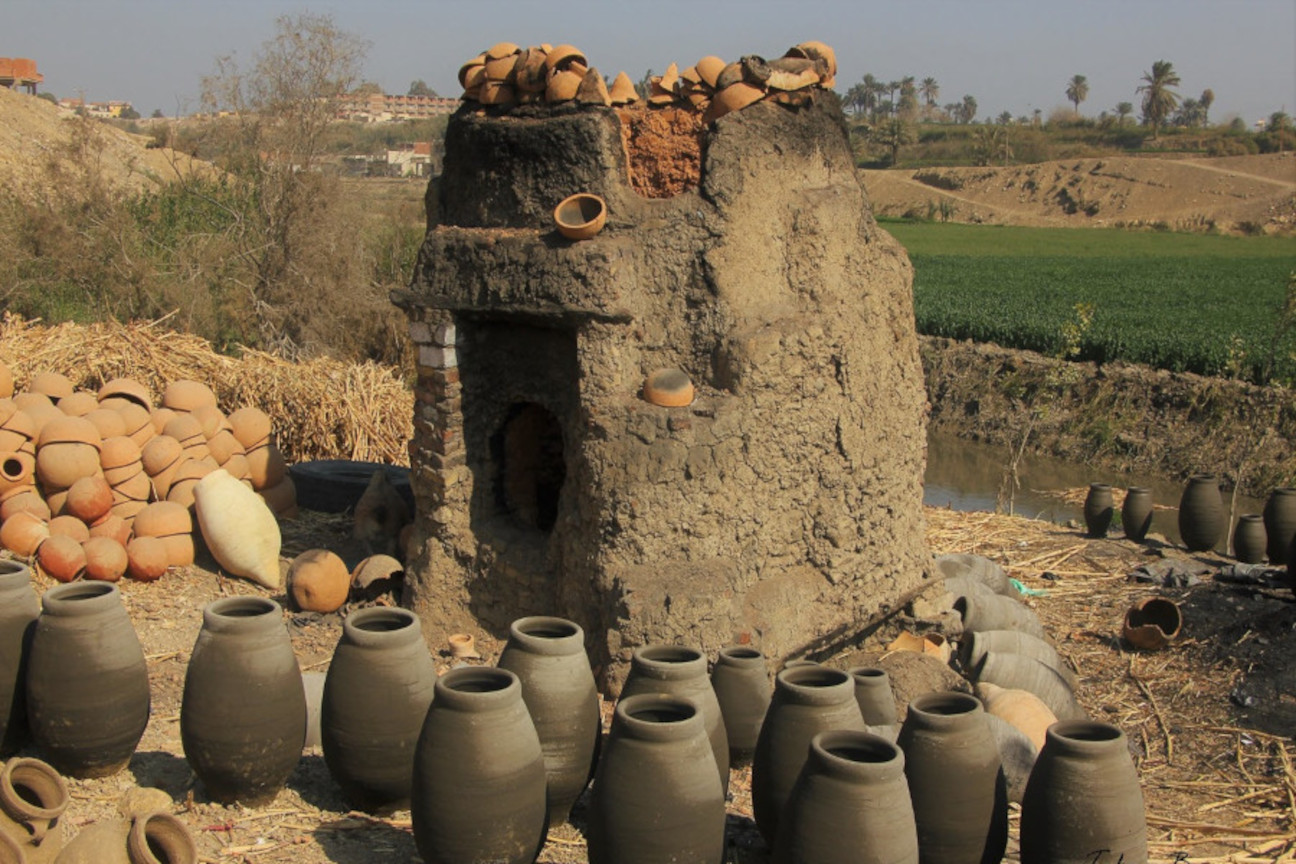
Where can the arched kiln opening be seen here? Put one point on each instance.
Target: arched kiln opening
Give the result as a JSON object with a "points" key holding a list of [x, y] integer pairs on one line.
{"points": [[529, 455]]}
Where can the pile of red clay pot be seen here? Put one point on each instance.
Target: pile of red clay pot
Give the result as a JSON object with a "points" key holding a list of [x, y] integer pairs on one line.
{"points": [[506, 74], [101, 485]]}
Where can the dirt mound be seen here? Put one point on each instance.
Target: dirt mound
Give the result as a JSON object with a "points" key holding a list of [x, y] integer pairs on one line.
{"points": [[39, 141], [1235, 193], [664, 148]]}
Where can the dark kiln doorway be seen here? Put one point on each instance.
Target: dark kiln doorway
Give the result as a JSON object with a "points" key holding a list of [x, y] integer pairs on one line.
{"points": [[529, 452]]}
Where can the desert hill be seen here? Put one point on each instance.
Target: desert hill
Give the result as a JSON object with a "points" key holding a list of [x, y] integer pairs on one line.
{"points": [[1233, 193], [39, 140]]}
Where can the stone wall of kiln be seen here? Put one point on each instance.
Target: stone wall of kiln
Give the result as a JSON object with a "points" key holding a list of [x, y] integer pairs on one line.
{"points": [[781, 508]]}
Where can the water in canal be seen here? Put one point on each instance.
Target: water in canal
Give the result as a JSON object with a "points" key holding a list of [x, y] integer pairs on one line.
{"points": [[966, 475]]}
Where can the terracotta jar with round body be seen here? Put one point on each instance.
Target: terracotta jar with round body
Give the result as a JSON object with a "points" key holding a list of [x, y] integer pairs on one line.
{"points": [[1083, 796], [1201, 513], [1136, 513], [741, 681], [682, 671], [548, 656], [19, 610], [33, 798], [151, 838], [850, 805], [478, 794], [655, 796], [376, 695], [1098, 509], [1249, 539], [87, 681], [243, 712], [807, 700], [1280, 523], [956, 782]]}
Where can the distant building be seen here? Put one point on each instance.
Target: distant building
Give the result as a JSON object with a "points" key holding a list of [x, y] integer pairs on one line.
{"points": [[19, 72], [421, 160], [102, 110], [387, 108]]}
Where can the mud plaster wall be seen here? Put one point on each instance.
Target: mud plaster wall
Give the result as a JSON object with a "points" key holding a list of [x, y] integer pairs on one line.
{"points": [[782, 507]]}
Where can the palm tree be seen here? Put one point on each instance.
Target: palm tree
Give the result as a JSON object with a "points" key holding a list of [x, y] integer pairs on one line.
{"points": [[930, 91], [968, 109], [1207, 99], [1123, 110], [1077, 90], [857, 98], [892, 87], [1159, 100], [870, 85]]}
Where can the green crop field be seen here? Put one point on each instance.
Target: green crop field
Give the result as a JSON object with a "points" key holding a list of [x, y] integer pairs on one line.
{"points": [[1185, 302]]}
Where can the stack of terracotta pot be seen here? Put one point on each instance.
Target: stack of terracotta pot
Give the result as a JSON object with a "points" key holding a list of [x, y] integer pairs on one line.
{"points": [[80, 468], [505, 74]]}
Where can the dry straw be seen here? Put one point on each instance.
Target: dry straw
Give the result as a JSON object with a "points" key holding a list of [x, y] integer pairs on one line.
{"points": [[320, 409]]}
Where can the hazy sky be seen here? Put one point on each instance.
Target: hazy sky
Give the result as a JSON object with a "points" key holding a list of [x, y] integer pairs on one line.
{"points": [[1014, 55]]}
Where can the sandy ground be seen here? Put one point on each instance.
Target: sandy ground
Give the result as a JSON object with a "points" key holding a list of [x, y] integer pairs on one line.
{"points": [[1215, 788]]}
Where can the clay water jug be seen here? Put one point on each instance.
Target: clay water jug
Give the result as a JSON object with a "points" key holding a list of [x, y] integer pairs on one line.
{"points": [[33, 798], [243, 712], [1280, 523], [956, 782], [850, 805], [1098, 509], [682, 671], [376, 695], [19, 609], [997, 612], [1249, 539], [1136, 513], [1083, 795], [241, 531], [151, 838], [1201, 513], [741, 682], [87, 681], [807, 700], [876, 701], [655, 797], [478, 793], [548, 656]]}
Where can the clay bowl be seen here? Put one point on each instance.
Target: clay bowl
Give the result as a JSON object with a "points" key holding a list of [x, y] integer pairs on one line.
{"points": [[251, 427], [128, 509], [139, 424], [224, 445], [237, 467], [89, 499], [318, 581], [732, 98], [129, 389], [119, 452], [146, 559], [79, 403], [186, 395], [6, 381], [210, 419], [266, 467], [160, 417], [179, 549], [110, 423], [816, 51], [562, 56], [161, 453], [105, 559], [60, 464], [186, 429], [709, 69], [69, 526], [137, 487], [15, 421], [163, 519], [61, 558], [466, 69], [23, 533], [52, 384], [500, 50], [38, 409], [28, 501], [281, 498], [580, 216], [562, 86], [112, 526], [670, 388]]}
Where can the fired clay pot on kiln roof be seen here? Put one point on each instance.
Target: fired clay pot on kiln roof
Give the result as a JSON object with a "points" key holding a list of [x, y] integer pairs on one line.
{"points": [[548, 656], [741, 680], [580, 216], [243, 713], [655, 798], [376, 696], [87, 682]]}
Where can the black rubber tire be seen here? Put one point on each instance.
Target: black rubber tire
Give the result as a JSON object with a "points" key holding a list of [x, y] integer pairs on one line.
{"points": [[335, 485]]}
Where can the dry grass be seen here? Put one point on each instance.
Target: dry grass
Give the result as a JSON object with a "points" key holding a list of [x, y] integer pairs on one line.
{"points": [[321, 409]]}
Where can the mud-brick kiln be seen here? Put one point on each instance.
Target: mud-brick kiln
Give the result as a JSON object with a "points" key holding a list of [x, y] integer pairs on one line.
{"points": [[780, 508]]}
